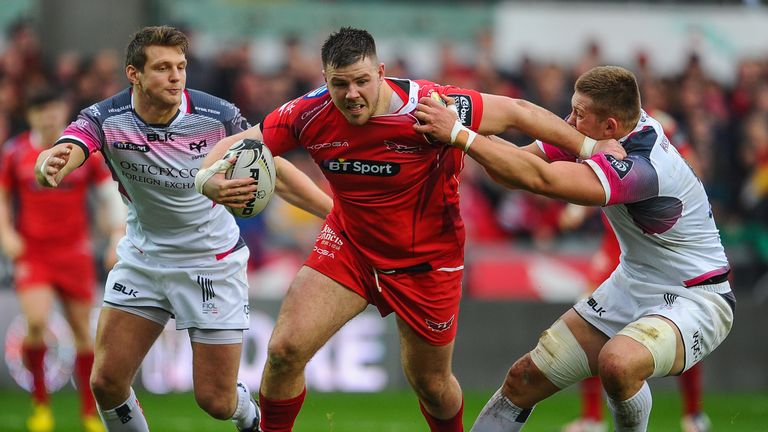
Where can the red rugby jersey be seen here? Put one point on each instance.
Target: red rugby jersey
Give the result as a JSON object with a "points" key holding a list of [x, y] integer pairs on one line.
{"points": [[395, 191], [52, 216]]}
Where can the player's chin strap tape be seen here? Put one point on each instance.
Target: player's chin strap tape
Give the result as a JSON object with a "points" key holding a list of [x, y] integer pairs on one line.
{"points": [[204, 175]]}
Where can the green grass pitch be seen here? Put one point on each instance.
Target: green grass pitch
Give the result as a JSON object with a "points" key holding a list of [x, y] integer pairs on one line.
{"points": [[393, 412]]}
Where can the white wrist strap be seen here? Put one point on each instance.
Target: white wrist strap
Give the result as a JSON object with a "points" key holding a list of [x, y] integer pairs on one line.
{"points": [[43, 165], [204, 175], [587, 147], [458, 127]]}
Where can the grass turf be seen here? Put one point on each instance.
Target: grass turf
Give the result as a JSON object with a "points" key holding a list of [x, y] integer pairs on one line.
{"points": [[393, 412]]}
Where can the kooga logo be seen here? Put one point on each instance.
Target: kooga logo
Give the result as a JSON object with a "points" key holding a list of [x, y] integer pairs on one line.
{"points": [[361, 167]]}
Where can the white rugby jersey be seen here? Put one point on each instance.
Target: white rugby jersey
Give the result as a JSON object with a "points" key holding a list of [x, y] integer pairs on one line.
{"points": [[658, 209], [155, 167]]}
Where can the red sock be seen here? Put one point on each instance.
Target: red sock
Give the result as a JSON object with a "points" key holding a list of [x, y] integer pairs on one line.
{"points": [[83, 366], [592, 399], [34, 360], [690, 386], [279, 415], [452, 424]]}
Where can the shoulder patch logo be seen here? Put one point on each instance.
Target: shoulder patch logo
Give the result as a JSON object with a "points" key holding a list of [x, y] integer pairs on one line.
{"points": [[316, 92], [464, 108], [622, 167]]}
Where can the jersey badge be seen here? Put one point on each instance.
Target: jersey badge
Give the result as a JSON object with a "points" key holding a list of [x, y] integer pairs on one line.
{"points": [[464, 108], [401, 148], [622, 167]]}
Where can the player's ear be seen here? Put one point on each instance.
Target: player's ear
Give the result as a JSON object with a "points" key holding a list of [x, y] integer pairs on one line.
{"points": [[381, 71], [611, 127], [132, 73]]}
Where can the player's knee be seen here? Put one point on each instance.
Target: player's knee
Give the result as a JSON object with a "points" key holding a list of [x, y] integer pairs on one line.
{"points": [[285, 354], [36, 329], [519, 376], [615, 373], [217, 406], [105, 385], [558, 357], [430, 387]]}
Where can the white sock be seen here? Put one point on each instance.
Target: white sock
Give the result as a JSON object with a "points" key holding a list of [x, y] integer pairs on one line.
{"points": [[127, 417], [246, 411], [632, 414], [501, 415]]}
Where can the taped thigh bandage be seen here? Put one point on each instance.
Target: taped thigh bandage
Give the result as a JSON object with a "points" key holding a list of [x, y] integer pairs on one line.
{"points": [[659, 337], [559, 356]]}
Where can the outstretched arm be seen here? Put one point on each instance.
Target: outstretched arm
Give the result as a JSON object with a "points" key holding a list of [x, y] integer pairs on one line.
{"points": [[501, 113], [516, 168], [299, 190]]}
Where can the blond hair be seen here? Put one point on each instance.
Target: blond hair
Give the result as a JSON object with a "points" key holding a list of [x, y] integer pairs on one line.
{"points": [[614, 93]]}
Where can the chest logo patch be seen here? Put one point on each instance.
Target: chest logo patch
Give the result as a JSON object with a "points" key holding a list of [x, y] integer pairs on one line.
{"points": [[361, 167]]}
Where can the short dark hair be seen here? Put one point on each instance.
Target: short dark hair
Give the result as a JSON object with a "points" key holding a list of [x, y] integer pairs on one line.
{"points": [[613, 91], [38, 96], [347, 46], [135, 54]]}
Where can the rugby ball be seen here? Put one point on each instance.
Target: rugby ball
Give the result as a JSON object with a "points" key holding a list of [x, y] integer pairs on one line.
{"points": [[253, 160]]}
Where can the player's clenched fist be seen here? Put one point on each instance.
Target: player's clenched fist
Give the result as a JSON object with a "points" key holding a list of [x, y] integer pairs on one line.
{"points": [[48, 168]]}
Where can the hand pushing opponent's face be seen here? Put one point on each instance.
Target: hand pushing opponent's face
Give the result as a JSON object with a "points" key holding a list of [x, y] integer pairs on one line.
{"points": [[355, 89]]}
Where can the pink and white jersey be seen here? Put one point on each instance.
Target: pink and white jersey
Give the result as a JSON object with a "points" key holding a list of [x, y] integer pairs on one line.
{"points": [[395, 191], [155, 167], [658, 209]]}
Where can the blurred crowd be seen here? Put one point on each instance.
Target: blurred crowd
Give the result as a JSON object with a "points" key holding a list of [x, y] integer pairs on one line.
{"points": [[724, 127]]}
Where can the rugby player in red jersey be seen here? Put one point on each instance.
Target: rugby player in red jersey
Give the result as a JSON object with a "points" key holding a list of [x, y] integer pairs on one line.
{"points": [[395, 238], [51, 232]]}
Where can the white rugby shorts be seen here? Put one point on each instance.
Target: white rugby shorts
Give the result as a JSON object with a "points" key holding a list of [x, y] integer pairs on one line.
{"points": [[210, 297], [702, 315]]}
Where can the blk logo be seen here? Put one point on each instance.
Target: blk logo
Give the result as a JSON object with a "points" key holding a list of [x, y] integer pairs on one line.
{"points": [[124, 289], [156, 137], [593, 304]]}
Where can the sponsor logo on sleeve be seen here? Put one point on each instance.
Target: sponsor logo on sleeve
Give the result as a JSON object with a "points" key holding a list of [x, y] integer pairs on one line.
{"points": [[622, 167], [464, 108]]}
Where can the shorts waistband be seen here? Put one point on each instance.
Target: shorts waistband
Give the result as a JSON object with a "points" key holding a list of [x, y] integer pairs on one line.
{"points": [[717, 288], [416, 268]]}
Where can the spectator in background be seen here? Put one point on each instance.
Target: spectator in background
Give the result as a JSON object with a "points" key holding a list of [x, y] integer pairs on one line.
{"points": [[48, 233]]}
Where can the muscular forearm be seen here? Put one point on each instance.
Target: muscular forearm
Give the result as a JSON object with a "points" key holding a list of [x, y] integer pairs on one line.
{"points": [[299, 190], [503, 113]]}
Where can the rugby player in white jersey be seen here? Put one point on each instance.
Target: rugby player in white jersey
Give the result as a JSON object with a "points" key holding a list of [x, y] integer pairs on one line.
{"points": [[667, 305], [182, 255]]}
